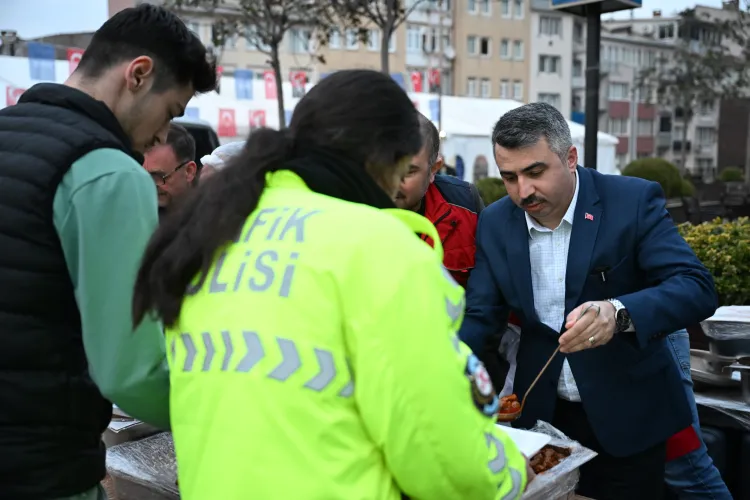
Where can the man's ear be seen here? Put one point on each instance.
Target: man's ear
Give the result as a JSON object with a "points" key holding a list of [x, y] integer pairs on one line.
{"points": [[191, 169], [437, 167], [572, 158]]}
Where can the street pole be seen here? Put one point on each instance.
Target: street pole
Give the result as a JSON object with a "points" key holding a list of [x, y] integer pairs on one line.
{"points": [[633, 115], [441, 57], [593, 41]]}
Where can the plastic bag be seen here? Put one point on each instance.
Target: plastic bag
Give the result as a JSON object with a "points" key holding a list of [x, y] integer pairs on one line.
{"points": [[728, 323], [220, 156], [509, 350], [562, 479], [148, 462]]}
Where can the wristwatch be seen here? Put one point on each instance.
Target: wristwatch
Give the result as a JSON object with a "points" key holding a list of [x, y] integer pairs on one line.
{"points": [[622, 316]]}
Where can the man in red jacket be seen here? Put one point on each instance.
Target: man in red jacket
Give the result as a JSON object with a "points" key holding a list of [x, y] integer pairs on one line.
{"points": [[452, 205]]}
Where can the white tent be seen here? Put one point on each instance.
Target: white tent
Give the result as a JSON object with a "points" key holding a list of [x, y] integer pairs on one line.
{"points": [[467, 125]]}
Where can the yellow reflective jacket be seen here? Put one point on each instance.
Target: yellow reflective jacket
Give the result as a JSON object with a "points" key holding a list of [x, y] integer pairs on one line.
{"points": [[319, 361]]}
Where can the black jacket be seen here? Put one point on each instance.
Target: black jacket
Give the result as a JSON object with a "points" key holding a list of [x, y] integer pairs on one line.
{"points": [[51, 413]]}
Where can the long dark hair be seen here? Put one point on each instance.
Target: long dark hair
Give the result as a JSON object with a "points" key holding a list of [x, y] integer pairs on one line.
{"points": [[360, 114]]}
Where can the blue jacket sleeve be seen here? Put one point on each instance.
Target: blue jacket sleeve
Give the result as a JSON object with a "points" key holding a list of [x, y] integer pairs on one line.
{"points": [[486, 314], [680, 289]]}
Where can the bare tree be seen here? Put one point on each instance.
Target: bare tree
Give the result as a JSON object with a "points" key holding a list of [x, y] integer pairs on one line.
{"points": [[387, 15], [264, 23], [705, 66]]}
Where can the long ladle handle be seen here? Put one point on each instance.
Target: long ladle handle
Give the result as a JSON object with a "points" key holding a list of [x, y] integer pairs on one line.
{"points": [[523, 402]]}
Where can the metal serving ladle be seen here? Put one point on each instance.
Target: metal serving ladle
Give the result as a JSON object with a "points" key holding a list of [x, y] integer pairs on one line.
{"points": [[510, 417]]}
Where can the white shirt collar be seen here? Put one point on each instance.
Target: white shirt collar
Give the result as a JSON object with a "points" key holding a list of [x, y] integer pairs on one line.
{"points": [[531, 223]]}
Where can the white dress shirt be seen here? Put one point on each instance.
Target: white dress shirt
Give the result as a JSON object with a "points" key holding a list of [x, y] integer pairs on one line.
{"points": [[548, 257]]}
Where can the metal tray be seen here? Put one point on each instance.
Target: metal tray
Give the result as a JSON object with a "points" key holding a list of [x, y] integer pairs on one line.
{"points": [[708, 368]]}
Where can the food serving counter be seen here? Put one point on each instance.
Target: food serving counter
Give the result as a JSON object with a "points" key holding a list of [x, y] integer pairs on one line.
{"points": [[145, 469]]}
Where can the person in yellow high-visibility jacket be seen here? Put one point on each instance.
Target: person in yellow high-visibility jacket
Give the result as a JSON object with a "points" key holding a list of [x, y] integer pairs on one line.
{"points": [[311, 334]]}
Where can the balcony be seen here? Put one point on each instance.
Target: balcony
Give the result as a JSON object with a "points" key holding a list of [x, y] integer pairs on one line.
{"points": [[705, 150], [578, 82]]}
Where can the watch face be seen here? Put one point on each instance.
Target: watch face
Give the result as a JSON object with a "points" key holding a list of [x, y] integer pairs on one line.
{"points": [[623, 320]]}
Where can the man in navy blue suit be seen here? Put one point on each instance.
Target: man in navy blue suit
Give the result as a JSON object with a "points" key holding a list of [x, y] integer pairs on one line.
{"points": [[593, 264]]}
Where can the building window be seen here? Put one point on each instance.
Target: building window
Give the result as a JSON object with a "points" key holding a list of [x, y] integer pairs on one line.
{"points": [[373, 40], [518, 9], [577, 68], [471, 87], [504, 49], [334, 41], [413, 39], [705, 164], [485, 87], [504, 89], [618, 126], [707, 107], [550, 26], [392, 43], [618, 92], [486, 7], [352, 41], [705, 136], [645, 128], [549, 64], [578, 32], [471, 45], [300, 41], [484, 46], [518, 50], [505, 7], [518, 90], [666, 31], [472, 6], [551, 99]]}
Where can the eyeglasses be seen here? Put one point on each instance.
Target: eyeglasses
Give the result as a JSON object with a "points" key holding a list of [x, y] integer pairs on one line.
{"points": [[161, 179]]}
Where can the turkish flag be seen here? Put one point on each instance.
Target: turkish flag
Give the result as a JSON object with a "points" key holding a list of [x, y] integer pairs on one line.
{"points": [[298, 79], [12, 94], [269, 80], [74, 57], [227, 124], [416, 81], [434, 79], [257, 119]]}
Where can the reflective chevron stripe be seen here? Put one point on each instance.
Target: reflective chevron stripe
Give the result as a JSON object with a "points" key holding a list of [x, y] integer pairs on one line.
{"points": [[327, 371], [497, 463], [454, 310], [291, 363], [254, 352], [515, 490], [208, 345], [449, 277], [456, 344], [187, 341]]}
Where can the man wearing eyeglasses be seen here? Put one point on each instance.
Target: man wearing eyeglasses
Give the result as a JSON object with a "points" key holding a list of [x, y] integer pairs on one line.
{"points": [[172, 166]]}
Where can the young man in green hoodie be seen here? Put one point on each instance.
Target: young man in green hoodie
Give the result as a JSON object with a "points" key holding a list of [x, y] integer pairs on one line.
{"points": [[76, 212]]}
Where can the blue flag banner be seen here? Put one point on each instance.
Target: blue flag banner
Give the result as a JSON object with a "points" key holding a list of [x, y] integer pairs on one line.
{"points": [[194, 113], [41, 61], [288, 116], [460, 168], [243, 81], [435, 110], [399, 78], [323, 75]]}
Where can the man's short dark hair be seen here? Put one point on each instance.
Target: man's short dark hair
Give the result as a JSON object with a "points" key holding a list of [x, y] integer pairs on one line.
{"points": [[430, 138], [150, 30], [182, 143], [526, 125]]}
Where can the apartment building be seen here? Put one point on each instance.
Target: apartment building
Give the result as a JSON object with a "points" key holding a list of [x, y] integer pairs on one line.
{"points": [[624, 110], [551, 41], [702, 140], [298, 49], [429, 47], [491, 48]]}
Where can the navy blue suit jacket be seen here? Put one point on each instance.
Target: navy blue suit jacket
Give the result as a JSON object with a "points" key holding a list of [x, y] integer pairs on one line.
{"points": [[630, 388]]}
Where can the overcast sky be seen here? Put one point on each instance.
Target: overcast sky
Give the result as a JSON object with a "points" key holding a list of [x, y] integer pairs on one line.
{"points": [[34, 18]]}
